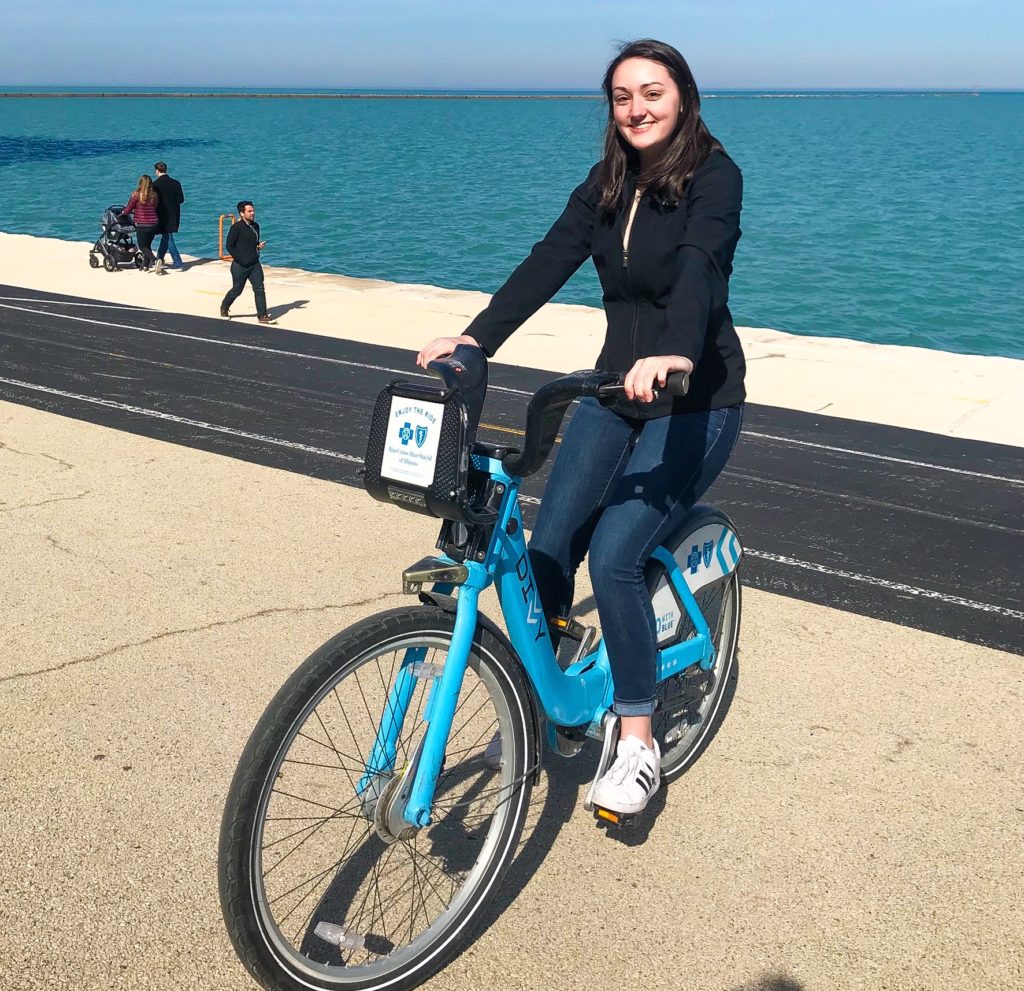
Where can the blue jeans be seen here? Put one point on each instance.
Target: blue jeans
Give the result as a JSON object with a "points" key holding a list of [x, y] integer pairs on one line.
{"points": [[619, 487], [167, 244]]}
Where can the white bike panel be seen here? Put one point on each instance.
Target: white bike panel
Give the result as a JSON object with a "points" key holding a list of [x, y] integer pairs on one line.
{"points": [[705, 555], [410, 451]]}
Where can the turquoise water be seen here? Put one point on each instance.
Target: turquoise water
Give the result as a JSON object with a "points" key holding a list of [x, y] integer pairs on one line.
{"points": [[889, 217]]}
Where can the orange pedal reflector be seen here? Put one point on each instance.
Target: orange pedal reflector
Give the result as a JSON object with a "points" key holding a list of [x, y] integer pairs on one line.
{"points": [[605, 814]]}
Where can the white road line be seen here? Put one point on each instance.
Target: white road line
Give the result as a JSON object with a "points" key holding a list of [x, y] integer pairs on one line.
{"points": [[352, 459], [882, 457], [202, 424], [924, 593], [246, 347], [493, 388], [68, 302]]}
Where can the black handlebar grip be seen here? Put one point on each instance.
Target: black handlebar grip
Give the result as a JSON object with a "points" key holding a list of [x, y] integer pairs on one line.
{"points": [[677, 384]]}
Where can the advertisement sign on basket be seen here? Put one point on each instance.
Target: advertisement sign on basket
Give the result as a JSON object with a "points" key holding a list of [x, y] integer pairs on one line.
{"points": [[410, 452]]}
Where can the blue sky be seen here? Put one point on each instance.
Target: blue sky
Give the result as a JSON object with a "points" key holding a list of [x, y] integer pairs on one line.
{"points": [[531, 44]]}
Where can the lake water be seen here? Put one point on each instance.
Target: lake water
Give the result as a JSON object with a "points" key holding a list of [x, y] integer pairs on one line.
{"points": [[889, 217]]}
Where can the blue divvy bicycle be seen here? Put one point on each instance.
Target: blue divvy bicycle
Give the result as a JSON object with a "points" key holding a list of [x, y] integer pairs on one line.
{"points": [[382, 795]]}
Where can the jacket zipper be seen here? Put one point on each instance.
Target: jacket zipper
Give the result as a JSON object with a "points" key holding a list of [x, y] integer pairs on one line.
{"points": [[631, 220]]}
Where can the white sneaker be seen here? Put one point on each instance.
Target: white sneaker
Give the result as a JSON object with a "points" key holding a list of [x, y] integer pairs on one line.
{"points": [[159, 266], [633, 778]]}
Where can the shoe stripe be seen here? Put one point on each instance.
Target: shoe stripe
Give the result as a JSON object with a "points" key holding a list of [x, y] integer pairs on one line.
{"points": [[644, 779]]}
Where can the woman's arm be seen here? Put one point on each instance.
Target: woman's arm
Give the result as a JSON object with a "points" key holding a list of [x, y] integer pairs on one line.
{"points": [[131, 204]]}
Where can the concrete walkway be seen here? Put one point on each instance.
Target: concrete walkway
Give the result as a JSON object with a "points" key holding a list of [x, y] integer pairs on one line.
{"points": [[857, 823], [970, 396]]}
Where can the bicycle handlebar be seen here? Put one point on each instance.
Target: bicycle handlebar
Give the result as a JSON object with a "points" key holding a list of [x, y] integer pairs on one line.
{"points": [[549, 403]]}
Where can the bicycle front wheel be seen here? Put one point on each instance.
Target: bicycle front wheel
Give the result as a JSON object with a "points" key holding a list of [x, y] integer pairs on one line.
{"points": [[314, 894]]}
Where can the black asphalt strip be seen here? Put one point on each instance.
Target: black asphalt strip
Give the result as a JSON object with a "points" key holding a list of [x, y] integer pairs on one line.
{"points": [[909, 527]]}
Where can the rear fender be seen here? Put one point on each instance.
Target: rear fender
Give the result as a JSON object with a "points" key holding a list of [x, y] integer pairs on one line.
{"points": [[707, 549]]}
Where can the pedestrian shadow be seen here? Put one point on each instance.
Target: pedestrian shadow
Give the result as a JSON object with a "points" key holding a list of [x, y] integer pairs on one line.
{"points": [[196, 262], [283, 308]]}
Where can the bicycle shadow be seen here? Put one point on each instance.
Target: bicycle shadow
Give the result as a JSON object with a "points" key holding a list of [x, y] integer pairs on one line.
{"points": [[562, 800]]}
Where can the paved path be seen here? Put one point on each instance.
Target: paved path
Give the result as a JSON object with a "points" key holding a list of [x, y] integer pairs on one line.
{"points": [[905, 526], [856, 823]]}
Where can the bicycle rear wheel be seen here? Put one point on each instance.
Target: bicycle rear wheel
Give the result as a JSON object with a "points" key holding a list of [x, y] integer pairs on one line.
{"points": [[693, 703], [313, 896]]}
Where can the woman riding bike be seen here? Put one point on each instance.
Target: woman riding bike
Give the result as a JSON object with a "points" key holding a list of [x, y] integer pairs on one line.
{"points": [[659, 216]]}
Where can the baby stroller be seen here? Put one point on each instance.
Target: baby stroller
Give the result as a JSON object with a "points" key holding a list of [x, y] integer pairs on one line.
{"points": [[116, 245]]}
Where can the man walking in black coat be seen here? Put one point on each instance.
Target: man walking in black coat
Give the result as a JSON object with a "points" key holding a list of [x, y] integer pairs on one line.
{"points": [[244, 246], [168, 212]]}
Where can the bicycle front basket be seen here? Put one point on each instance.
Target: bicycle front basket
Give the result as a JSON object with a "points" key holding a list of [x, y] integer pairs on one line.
{"points": [[417, 456]]}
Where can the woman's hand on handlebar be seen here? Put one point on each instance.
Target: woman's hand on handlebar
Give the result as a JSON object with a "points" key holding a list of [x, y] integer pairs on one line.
{"points": [[441, 347], [649, 374]]}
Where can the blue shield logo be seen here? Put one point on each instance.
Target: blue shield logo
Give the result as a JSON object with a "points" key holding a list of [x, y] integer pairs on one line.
{"points": [[421, 436], [709, 549], [405, 433]]}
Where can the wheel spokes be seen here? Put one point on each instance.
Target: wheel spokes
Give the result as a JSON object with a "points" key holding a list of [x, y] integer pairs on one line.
{"points": [[321, 858]]}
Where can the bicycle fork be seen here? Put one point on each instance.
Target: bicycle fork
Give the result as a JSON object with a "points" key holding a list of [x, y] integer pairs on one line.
{"points": [[409, 796]]}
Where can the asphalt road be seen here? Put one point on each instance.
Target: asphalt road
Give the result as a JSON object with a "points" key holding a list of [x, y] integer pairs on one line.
{"points": [[909, 527]]}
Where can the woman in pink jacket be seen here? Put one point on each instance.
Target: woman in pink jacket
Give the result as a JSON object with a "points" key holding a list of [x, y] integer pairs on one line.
{"points": [[142, 208]]}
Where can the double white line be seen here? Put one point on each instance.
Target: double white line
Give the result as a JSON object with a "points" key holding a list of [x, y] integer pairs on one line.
{"points": [[6, 303], [352, 459]]}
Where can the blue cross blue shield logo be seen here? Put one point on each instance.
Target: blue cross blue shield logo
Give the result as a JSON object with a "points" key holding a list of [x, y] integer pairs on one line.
{"points": [[709, 548], [405, 433], [421, 436], [693, 560]]}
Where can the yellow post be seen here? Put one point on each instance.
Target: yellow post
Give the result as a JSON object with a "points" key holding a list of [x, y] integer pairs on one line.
{"points": [[224, 256]]}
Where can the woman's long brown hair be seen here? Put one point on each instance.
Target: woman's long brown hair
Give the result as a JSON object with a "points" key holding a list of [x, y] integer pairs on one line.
{"points": [[144, 188], [690, 145]]}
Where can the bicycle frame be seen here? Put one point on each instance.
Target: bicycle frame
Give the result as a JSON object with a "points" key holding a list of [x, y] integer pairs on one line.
{"points": [[577, 696]]}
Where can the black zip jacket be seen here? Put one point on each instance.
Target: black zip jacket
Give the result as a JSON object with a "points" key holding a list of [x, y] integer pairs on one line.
{"points": [[241, 243], [668, 296]]}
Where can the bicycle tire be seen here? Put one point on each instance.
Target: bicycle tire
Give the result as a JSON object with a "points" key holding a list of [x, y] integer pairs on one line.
{"points": [[283, 963], [696, 702]]}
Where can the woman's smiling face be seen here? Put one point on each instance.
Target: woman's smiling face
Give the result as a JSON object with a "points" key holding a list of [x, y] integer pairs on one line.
{"points": [[645, 106]]}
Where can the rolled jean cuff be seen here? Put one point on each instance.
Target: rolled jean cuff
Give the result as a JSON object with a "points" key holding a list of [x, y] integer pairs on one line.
{"points": [[634, 708]]}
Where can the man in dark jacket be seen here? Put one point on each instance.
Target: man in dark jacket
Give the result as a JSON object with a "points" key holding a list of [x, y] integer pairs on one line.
{"points": [[244, 246], [168, 212]]}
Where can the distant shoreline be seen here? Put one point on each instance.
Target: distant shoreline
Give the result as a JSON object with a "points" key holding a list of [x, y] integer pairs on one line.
{"points": [[306, 96], [710, 93]]}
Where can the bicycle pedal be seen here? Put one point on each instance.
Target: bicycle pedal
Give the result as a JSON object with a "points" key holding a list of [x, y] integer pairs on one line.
{"points": [[622, 819], [567, 627]]}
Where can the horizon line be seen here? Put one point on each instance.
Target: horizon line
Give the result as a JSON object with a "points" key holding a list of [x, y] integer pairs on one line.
{"points": [[76, 90]]}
